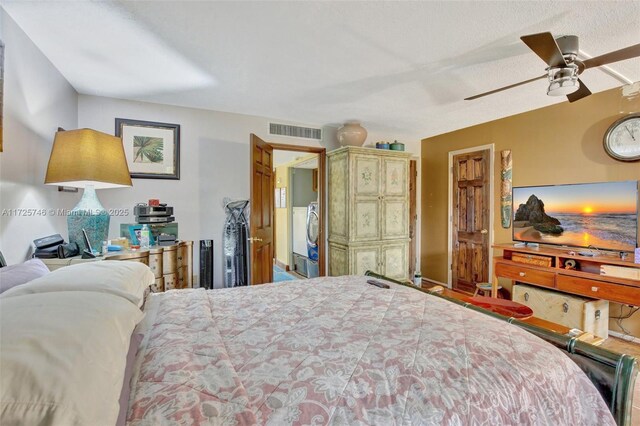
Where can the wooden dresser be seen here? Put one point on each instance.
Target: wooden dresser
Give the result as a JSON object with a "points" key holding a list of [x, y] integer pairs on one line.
{"points": [[547, 267], [171, 265], [368, 212]]}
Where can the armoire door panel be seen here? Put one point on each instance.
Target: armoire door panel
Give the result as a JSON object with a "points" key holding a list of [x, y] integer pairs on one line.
{"points": [[395, 219], [338, 200], [394, 259], [394, 177], [365, 259], [366, 220], [338, 260], [366, 175]]}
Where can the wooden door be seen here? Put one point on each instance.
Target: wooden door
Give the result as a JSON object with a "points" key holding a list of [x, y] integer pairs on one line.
{"points": [[262, 202], [470, 220], [413, 216]]}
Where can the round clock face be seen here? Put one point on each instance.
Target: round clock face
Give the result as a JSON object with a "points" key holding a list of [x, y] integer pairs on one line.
{"points": [[622, 140]]}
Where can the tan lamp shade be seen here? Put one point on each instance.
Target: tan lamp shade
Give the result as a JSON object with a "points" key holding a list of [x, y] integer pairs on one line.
{"points": [[87, 157]]}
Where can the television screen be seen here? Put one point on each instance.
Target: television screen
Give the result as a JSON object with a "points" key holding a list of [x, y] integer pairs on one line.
{"points": [[601, 215]]}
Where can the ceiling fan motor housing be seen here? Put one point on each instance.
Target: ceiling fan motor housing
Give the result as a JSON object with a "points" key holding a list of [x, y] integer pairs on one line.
{"points": [[568, 45]]}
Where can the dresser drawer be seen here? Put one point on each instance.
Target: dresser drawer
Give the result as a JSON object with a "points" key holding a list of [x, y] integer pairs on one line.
{"points": [[599, 290], [525, 275]]}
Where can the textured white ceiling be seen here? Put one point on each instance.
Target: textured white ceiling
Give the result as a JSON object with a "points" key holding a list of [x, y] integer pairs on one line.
{"points": [[402, 68]]}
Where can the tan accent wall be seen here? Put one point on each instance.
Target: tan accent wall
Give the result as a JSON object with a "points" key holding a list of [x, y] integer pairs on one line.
{"points": [[558, 144]]}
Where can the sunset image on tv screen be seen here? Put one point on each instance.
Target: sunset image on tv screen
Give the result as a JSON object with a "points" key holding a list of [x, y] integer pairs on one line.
{"points": [[600, 215]]}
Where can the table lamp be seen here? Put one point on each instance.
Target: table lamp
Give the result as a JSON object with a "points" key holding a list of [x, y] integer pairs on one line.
{"points": [[88, 159]]}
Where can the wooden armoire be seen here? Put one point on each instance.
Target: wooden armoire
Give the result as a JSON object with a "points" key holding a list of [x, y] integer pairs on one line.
{"points": [[368, 212]]}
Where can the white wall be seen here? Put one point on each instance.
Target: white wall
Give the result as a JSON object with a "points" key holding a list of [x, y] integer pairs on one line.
{"points": [[214, 164], [214, 153], [37, 100]]}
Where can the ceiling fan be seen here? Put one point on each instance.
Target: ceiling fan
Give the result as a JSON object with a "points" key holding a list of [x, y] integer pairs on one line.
{"points": [[561, 54]]}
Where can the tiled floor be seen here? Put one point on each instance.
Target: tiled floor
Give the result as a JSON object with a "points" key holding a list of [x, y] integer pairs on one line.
{"points": [[280, 274]]}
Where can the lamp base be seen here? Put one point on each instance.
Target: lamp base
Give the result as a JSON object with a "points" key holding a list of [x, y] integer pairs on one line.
{"points": [[89, 215]]}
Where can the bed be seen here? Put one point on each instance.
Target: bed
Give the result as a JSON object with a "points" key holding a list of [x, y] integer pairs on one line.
{"points": [[340, 351]]}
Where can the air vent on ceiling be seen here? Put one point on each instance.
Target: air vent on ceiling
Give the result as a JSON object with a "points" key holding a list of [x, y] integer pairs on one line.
{"points": [[295, 131]]}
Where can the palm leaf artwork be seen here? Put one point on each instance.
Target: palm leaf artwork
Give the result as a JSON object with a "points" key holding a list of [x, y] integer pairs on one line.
{"points": [[147, 149]]}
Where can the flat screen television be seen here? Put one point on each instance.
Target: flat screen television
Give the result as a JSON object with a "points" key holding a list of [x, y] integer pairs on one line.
{"points": [[601, 215]]}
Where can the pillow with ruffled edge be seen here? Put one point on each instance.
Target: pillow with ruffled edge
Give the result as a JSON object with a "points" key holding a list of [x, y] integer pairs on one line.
{"points": [[122, 278], [15, 275]]}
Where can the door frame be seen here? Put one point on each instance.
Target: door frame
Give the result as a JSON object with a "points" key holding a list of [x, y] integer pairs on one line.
{"points": [[322, 161], [491, 148]]}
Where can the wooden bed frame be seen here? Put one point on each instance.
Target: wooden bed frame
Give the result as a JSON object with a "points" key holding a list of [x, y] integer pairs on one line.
{"points": [[613, 374]]}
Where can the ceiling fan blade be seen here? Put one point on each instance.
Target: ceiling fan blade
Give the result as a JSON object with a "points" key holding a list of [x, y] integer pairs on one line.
{"points": [[545, 46], [611, 57], [504, 88], [582, 92]]}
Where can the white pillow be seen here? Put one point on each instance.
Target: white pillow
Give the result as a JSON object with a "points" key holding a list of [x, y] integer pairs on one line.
{"points": [[122, 278], [63, 356]]}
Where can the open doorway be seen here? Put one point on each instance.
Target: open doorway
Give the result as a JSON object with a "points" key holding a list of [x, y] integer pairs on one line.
{"points": [[287, 211], [296, 216]]}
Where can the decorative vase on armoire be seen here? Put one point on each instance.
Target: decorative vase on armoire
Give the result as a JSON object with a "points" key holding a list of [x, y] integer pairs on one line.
{"points": [[368, 212], [351, 134]]}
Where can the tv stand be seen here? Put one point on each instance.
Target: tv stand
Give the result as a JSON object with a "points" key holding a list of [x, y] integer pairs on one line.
{"points": [[564, 270]]}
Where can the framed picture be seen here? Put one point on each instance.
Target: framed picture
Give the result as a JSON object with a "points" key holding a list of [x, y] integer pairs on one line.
{"points": [[283, 198], [277, 198], [134, 234], [152, 149], [1, 90]]}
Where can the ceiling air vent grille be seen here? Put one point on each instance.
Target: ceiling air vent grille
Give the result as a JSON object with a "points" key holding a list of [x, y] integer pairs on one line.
{"points": [[295, 131]]}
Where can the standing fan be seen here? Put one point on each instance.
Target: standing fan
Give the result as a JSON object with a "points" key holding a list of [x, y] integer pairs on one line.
{"points": [[561, 54]]}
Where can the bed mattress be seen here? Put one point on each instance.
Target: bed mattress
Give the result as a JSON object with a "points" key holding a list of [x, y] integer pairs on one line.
{"points": [[340, 351]]}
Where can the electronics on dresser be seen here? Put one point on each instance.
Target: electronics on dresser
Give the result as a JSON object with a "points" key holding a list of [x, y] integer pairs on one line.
{"points": [[51, 240], [598, 216], [53, 247], [166, 240], [160, 213], [154, 219], [206, 264], [88, 252]]}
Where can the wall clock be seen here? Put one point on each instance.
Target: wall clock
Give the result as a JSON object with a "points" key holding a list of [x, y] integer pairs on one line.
{"points": [[622, 139]]}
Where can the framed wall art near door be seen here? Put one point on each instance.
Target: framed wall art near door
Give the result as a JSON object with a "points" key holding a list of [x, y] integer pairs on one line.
{"points": [[152, 149], [1, 91]]}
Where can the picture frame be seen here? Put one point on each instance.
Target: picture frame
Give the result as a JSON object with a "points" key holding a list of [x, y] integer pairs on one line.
{"points": [[283, 198], [1, 95], [134, 234], [277, 198], [152, 149]]}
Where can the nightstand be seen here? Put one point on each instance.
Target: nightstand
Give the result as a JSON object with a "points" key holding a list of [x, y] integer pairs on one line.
{"points": [[56, 263], [171, 265]]}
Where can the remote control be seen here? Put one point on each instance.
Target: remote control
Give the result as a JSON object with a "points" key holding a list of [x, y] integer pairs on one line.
{"points": [[377, 283]]}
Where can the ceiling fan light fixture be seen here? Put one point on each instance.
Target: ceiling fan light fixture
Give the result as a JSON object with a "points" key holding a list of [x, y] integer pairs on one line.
{"points": [[563, 81]]}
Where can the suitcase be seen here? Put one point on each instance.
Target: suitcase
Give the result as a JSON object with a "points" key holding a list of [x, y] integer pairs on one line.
{"points": [[589, 315]]}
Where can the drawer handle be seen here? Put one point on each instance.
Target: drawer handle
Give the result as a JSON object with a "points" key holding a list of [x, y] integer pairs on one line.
{"points": [[594, 289], [522, 274]]}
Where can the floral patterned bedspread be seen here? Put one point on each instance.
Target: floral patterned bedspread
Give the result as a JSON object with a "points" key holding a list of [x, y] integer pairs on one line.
{"points": [[340, 351]]}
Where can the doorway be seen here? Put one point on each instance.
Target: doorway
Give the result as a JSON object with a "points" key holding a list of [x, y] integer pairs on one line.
{"points": [[470, 217], [283, 245]]}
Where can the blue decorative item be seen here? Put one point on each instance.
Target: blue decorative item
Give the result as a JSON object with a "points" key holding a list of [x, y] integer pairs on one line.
{"points": [[134, 235], [89, 215]]}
